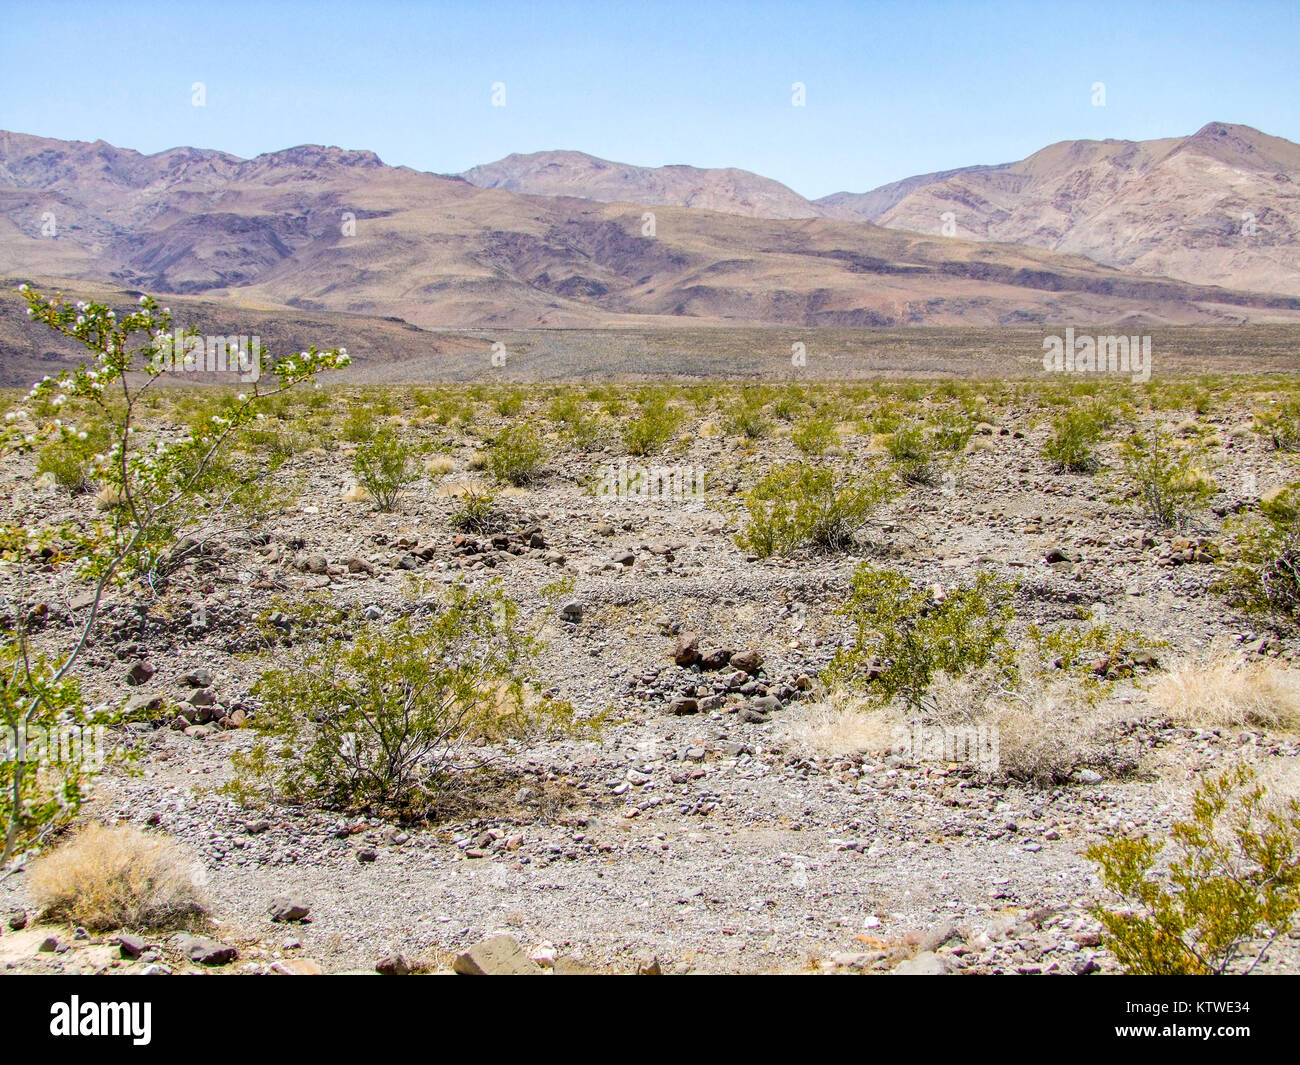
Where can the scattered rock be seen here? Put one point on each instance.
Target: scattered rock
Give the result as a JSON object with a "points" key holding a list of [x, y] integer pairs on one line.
{"points": [[297, 967], [284, 908], [687, 650], [203, 951], [926, 963], [131, 946], [498, 956], [392, 965]]}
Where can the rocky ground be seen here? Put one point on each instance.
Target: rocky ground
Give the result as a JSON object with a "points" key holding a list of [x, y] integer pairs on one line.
{"points": [[709, 827]]}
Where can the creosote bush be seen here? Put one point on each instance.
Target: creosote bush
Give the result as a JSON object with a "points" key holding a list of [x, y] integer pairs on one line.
{"points": [[1232, 886], [1265, 575], [380, 718], [1281, 425], [814, 435], [516, 455], [1075, 436], [912, 455], [904, 636], [106, 878], [804, 506], [69, 459], [477, 512], [1168, 486], [650, 430], [383, 466], [156, 486]]}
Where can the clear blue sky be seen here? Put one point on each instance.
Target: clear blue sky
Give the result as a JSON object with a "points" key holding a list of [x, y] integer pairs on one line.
{"points": [[893, 89]]}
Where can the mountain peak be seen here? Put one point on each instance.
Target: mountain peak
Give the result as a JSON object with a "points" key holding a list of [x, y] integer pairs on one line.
{"points": [[572, 173], [319, 155]]}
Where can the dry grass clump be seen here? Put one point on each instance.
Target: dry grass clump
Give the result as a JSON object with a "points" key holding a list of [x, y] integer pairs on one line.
{"points": [[841, 724], [1046, 728], [106, 878], [1221, 689], [439, 465]]}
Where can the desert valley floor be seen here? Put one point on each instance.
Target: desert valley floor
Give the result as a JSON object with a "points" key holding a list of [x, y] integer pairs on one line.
{"points": [[714, 819]]}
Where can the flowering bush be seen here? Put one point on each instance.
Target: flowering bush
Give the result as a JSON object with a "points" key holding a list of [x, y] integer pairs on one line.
{"points": [[153, 486]]}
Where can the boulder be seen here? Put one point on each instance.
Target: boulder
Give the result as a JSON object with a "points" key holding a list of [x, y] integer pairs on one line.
{"points": [[687, 650], [285, 908], [498, 956]]}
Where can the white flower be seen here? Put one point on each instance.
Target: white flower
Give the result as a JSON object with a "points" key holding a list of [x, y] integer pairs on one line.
{"points": [[23, 287], [241, 397], [144, 299]]}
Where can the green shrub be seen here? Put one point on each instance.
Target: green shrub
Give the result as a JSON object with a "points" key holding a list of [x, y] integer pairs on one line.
{"points": [[67, 457], [652, 428], [380, 719], [359, 425], [384, 466], [796, 506], [577, 426], [1281, 425], [749, 422], [789, 403], [1166, 482], [912, 455], [509, 403], [1233, 878], [1074, 436], [1265, 575], [904, 635], [951, 431], [516, 455], [38, 788], [477, 512], [814, 435]]}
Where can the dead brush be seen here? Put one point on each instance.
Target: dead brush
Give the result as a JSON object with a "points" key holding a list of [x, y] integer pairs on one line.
{"points": [[106, 878], [1221, 689], [1046, 727]]}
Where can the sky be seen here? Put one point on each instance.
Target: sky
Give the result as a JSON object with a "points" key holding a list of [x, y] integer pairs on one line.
{"points": [[889, 89]]}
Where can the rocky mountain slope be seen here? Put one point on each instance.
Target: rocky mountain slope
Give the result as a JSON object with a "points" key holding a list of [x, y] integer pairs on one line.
{"points": [[1219, 207], [324, 229], [728, 190]]}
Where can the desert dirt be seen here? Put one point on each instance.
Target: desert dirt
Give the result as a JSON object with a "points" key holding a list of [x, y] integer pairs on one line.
{"points": [[738, 837]]}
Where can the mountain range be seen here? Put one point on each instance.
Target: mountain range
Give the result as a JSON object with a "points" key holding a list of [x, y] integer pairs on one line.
{"points": [[1218, 207], [1112, 231]]}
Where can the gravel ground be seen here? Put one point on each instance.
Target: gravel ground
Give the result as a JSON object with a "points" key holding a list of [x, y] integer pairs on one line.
{"points": [[717, 840]]}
